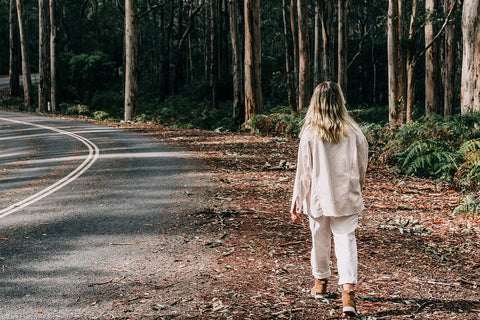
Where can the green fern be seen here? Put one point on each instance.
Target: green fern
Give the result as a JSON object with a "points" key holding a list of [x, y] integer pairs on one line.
{"points": [[429, 158], [470, 205]]}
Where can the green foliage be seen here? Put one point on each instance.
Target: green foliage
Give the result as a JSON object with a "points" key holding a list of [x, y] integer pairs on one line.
{"points": [[447, 149], [100, 115], [85, 74], [470, 206], [280, 122], [429, 158]]}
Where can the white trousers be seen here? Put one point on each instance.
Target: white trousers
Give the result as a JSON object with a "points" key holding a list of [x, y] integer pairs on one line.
{"points": [[343, 229]]}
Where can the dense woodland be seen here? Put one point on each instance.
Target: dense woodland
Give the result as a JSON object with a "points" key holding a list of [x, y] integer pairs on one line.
{"points": [[229, 60]]}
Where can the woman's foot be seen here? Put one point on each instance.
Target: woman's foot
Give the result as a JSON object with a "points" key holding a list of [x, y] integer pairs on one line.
{"points": [[349, 303], [319, 290]]}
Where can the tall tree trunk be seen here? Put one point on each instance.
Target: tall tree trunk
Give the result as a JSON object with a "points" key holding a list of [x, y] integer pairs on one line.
{"points": [[213, 53], [401, 64], [53, 55], [304, 55], [433, 97], [470, 91], [290, 76], [131, 59], [392, 52], [450, 65], [317, 44], [294, 29], [326, 17], [253, 80], [342, 43], [14, 44], [238, 108], [27, 80], [43, 55], [411, 48]]}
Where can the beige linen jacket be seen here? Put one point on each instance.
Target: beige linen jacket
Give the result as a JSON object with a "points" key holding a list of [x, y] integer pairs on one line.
{"points": [[330, 176]]}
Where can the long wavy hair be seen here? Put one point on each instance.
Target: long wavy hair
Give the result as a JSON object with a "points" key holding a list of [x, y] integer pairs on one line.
{"points": [[327, 115]]}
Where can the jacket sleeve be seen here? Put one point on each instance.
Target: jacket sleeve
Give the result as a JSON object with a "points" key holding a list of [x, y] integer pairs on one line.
{"points": [[303, 178], [362, 152]]}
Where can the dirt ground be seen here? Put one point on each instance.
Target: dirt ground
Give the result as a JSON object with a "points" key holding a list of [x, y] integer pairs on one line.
{"points": [[415, 259]]}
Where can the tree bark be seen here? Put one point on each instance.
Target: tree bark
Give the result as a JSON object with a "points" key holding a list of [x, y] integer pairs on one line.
{"points": [[27, 80], [43, 55], [450, 65], [317, 44], [342, 43], [411, 48], [253, 81], [470, 91], [304, 55], [294, 30], [131, 59], [290, 76], [326, 15], [53, 55], [401, 64], [433, 97], [213, 53], [392, 52], [14, 44], [238, 108]]}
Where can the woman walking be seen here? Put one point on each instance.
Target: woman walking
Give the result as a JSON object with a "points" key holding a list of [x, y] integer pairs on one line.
{"points": [[332, 161]]}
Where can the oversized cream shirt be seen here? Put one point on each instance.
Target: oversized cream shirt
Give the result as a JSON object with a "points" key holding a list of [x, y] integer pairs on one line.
{"points": [[330, 176]]}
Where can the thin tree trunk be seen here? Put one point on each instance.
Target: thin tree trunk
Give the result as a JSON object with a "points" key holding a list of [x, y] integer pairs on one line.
{"points": [[294, 29], [470, 91], [450, 65], [290, 76], [131, 59], [401, 64], [213, 53], [433, 97], [253, 81], [27, 80], [327, 43], [53, 55], [238, 108], [317, 44], [392, 51], [43, 55], [14, 41], [304, 55], [411, 48], [342, 43]]}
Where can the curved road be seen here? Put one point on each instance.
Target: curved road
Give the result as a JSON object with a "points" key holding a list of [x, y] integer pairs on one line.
{"points": [[86, 210]]}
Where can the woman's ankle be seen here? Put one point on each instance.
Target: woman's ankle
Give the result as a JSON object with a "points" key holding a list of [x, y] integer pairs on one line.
{"points": [[348, 287]]}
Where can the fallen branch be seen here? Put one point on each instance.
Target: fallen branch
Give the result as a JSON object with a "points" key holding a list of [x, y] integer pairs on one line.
{"points": [[285, 311], [100, 283], [122, 244], [437, 283], [291, 243]]}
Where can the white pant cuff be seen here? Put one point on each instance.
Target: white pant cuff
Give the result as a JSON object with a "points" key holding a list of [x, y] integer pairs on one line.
{"points": [[323, 275]]}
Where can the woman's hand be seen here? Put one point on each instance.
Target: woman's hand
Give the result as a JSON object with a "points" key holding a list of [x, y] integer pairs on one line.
{"points": [[294, 215]]}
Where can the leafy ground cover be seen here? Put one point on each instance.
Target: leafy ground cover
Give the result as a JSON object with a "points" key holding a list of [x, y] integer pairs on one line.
{"points": [[416, 260]]}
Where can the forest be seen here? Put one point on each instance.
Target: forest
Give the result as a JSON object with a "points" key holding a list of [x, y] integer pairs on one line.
{"points": [[229, 65]]}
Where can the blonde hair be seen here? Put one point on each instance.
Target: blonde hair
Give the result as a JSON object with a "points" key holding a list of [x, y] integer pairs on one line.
{"points": [[327, 115]]}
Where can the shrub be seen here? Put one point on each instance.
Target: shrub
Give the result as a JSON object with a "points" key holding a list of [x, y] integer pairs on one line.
{"points": [[100, 115]]}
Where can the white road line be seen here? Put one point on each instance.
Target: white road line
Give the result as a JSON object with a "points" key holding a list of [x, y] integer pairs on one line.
{"points": [[93, 154]]}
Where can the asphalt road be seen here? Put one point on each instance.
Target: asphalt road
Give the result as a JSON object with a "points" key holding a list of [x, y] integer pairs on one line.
{"points": [[4, 80], [82, 206]]}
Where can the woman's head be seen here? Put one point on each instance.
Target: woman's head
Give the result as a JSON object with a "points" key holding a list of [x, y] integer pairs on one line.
{"points": [[327, 115]]}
